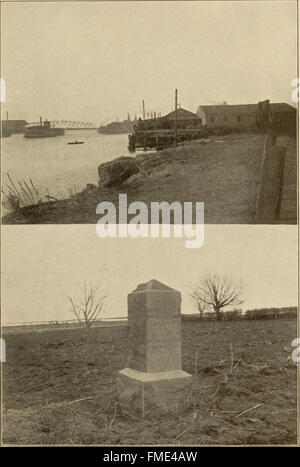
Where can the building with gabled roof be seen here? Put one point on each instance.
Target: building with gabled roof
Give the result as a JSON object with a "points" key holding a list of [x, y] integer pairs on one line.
{"points": [[182, 114], [185, 119]]}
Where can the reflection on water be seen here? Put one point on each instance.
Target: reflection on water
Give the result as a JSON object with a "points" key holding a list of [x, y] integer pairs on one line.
{"points": [[54, 165]]}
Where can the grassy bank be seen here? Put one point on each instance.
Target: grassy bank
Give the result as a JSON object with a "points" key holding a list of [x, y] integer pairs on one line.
{"points": [[223, 172]]}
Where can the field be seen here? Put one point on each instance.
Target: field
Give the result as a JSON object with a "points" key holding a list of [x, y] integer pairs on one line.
{"points": [[59, 387]]}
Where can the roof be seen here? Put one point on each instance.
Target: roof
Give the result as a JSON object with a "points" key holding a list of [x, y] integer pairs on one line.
{"points": [[244, 108], [181, 114]]}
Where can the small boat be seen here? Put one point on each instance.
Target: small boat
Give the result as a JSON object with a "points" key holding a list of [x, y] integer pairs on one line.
{"points": [[76, 142]]}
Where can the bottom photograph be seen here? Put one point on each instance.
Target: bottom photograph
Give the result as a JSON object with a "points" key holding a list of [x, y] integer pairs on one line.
{"points": [[137, 342]]}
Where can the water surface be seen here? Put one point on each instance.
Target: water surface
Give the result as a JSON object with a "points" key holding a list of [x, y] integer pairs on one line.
{"points": [[54, 165]]}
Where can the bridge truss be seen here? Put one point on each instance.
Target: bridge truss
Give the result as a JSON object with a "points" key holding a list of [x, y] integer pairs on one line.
{"points": [[66, 125]]}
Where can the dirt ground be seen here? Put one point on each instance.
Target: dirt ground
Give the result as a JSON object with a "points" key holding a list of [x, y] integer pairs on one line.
{"points": [[59, 387]]}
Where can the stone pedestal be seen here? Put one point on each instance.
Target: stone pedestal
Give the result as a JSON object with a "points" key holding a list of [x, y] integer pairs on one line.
{"points": [[154, 383], [155, 393]]}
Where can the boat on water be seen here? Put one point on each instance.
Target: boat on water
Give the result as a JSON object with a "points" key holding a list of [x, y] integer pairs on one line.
{"points": [[43, 129], [76, 142]]}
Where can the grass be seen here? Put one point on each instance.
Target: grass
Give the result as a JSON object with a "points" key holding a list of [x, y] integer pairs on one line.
{"points": [[20, 194]]}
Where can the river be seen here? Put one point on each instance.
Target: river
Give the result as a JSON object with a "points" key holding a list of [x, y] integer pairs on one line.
{"points": [[57, 167]]}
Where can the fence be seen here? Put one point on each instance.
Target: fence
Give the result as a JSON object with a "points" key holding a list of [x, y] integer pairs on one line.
{"points": [[235, 315], [72, 323], [271, 313]]}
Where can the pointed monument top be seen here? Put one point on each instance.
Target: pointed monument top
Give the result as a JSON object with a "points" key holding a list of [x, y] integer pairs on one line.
{"points": [[153, 285]]}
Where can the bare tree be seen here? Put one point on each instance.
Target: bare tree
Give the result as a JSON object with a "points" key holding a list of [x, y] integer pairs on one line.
{"points": [[217, 291], [91, 306], [201, 306]]}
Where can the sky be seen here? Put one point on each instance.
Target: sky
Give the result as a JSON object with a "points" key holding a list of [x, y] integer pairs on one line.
{"points": [[95, 61], [43, 264]]}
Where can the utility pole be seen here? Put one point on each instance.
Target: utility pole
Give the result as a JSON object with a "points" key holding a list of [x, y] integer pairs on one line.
{"points": [[145, 147], [175, 128]]}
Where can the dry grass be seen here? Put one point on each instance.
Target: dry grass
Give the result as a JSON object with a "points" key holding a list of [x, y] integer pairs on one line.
{"points": [[17, 195]]}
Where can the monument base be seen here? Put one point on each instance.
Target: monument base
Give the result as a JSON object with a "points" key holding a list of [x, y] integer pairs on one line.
{"points": [[146, 395]]}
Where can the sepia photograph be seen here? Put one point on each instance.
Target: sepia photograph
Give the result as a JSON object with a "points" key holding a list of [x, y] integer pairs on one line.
{"points": [[103, 98], [149, 226], [145, 342]]}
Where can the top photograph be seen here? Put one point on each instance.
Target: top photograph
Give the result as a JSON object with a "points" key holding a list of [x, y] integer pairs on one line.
{"points": [[109, 109]]}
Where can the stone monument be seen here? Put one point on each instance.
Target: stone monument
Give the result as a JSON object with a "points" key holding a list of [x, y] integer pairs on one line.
{"points": [[154, 382]]}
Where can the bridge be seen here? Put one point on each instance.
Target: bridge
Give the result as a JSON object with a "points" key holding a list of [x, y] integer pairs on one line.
{"points": [[66, 125]]}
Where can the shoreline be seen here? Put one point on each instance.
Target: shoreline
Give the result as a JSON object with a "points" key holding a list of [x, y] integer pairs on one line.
{"points": [[222, 171]]}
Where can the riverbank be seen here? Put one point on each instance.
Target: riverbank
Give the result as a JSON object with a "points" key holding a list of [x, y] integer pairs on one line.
{"points": [[221, 171]]}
